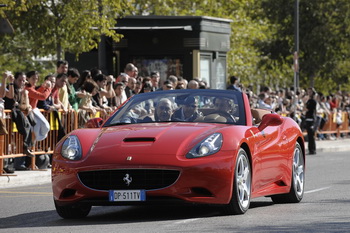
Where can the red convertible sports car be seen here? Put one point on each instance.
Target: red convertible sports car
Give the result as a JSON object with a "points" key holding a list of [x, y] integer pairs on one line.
{"points": [[195, 146]]}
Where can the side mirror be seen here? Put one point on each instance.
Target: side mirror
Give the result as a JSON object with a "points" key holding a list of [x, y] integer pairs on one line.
{"points": [[94, 123], [270, 120]]}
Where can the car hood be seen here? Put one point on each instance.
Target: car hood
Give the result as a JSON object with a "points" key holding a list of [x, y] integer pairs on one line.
{"points": [[148, 142]]}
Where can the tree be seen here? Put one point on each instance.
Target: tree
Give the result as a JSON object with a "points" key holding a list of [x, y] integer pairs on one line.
{"points": [[324, 44], [59, 26], [262, 40]]}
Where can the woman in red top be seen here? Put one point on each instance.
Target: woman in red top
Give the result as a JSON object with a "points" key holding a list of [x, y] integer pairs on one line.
{"points": [[42, 93], [42, 126]]}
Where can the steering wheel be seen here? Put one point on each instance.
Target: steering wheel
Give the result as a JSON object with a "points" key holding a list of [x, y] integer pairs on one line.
{"points": [[228, 116]]}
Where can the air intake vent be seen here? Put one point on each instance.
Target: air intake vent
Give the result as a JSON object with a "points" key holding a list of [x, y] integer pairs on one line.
{"points": [[139, 139]]}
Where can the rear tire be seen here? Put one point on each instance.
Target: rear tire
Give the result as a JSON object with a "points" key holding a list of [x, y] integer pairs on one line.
{"points": [[72, 211], [296, 192], [240, 200]]}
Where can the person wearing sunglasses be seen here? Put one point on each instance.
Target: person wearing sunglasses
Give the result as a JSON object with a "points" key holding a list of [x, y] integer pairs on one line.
{"points": [[188, 111]]}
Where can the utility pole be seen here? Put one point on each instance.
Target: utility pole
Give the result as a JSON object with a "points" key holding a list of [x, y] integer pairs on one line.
{"points": [[102, 61], [296, 45], [296, 51]]}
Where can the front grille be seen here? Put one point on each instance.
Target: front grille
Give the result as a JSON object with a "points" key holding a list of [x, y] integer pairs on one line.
{"points": [[147, 179]]}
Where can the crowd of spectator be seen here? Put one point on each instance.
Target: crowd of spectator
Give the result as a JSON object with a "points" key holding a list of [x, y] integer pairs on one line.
{"points": [[309, 108], [91, 91]]}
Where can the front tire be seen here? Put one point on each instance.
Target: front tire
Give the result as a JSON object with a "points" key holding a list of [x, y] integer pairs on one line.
{"points": [[72, 211], [240, 200], [296, 192]]}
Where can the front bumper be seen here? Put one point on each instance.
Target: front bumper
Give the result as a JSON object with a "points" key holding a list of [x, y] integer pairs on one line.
{"points": [[206, 180]]}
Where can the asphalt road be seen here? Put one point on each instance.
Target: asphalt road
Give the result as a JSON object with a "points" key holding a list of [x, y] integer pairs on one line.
{"points": [[325, 208]]}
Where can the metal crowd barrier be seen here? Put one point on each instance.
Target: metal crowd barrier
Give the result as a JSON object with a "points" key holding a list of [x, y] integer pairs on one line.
{"points": [[11, 143], [332, 127]]}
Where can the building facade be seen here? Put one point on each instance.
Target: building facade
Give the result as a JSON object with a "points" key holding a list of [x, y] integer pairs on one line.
{"points": [[186, 46]]}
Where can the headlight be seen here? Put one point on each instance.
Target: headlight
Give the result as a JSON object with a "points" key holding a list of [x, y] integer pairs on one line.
{"points": [[208, 146], [71, 148]]}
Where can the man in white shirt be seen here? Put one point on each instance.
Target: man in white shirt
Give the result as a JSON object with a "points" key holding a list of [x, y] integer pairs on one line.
{"points": [[265, 102]]}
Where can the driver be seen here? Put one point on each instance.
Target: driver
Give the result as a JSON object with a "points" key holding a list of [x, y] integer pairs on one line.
{"points": [[225, 107]]}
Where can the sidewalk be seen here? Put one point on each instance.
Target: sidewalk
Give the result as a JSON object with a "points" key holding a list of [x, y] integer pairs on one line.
{"points": [[25, 178], [332, 145]]}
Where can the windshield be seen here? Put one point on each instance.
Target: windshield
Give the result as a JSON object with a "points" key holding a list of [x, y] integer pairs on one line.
{"points": [[210, 106]]}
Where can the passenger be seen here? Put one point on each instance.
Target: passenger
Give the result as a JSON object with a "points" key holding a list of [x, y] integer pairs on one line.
{"points": [[188, 111], [164, 110]]}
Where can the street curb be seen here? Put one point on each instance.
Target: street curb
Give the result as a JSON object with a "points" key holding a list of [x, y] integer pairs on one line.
{"points": [[333, 149], [338, 145], [25, 178]]}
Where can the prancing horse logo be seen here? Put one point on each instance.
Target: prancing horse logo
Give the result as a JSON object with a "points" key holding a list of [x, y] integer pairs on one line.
{"points": [[127, 178]]}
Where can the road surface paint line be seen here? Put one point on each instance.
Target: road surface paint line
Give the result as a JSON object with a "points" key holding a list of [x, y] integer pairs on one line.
{"points": [[186, 221], [317, 190], [182, 222]]}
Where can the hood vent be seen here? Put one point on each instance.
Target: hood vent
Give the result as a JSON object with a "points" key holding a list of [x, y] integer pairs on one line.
{"points": [[139, 139]]}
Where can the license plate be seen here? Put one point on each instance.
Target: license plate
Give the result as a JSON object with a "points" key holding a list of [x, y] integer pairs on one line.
{"points": [[127, 195]]}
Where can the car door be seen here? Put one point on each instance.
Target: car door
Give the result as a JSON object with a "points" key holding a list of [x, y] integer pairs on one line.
{"points": [[267, 151]]}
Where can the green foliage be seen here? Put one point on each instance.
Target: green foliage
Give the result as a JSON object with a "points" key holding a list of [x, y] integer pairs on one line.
{"points": [[15, 55], [323, 35], [244, 57], [263, 43], [56, 27], [262, 39]]}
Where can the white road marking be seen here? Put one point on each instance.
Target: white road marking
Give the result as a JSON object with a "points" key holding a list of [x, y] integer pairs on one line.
{"points": [[186, 221], [317, 190]]}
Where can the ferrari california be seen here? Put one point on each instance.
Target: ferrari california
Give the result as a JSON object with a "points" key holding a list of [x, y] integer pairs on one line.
{"points": [[187, 146]]}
